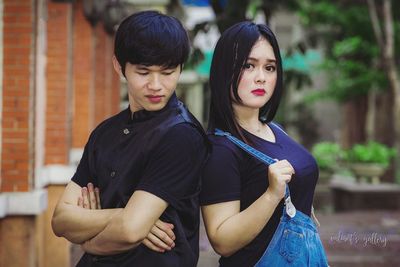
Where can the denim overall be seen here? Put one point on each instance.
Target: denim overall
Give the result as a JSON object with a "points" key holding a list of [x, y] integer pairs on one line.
{"points": [[296, 241]]}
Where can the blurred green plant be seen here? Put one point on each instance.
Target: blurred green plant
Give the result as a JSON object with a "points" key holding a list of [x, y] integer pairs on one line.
{"points": [[371, 152], [328, 155]]}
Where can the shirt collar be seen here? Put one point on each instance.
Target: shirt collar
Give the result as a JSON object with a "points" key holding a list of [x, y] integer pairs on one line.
{"points": [[143, 115]]}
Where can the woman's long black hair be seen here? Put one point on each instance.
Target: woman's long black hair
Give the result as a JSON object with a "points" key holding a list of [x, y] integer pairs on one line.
{"points": [[230, 55]]}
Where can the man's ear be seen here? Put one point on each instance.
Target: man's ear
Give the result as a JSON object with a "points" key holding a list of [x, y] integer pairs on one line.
{"points": [[117, 66]]}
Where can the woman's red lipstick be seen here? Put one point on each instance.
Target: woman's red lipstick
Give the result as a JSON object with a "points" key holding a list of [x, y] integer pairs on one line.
{"points": [[258, 92]]}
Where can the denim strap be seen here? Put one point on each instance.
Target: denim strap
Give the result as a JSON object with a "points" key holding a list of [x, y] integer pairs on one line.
{"points": [[290, 209]]}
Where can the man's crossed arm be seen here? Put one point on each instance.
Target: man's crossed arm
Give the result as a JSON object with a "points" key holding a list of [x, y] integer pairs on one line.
{"points": [[79, 219]]}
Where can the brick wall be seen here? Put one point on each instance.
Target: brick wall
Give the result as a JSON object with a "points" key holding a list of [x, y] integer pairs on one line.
{"points": [[18, 43], [100, 74], [57, 75], [83, 78], [81, 90]]}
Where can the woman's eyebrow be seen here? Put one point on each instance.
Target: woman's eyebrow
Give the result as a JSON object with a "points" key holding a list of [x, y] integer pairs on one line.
{"points": [[269, 60]]}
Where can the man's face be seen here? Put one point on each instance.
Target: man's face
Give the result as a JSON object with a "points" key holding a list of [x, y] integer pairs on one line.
{"points": [[150, 87]]}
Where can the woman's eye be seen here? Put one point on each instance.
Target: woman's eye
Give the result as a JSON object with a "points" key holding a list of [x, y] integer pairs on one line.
{"points": [[248, 66], [270, 68]]}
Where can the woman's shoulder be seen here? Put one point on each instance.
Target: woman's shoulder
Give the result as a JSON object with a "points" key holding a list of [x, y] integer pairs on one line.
{"points": [[222, 146], [222, 142], [277, 126]]}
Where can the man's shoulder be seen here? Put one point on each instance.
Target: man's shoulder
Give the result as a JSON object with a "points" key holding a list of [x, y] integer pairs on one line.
{"points": [[108, 124], [114, 119], [184, 131]]}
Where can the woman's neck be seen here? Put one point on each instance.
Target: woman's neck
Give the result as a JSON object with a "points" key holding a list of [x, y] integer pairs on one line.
{"points": [[247, 118]]}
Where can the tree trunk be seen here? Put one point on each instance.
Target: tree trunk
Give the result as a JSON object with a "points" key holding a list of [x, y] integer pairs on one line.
{"points": [[233, 12], [384, 130], [354, 121], [385, 39], [391, 69]]}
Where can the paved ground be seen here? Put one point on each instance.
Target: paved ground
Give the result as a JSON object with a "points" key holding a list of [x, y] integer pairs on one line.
{"points": [[356, 239]]}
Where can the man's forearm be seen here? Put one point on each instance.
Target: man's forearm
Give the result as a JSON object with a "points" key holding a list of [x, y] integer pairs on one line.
{"points": [[116, 237], [128, 227], [78, 224]]}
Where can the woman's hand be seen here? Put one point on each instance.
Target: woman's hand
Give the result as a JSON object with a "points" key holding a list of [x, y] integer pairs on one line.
{"points": [[279, 174]]}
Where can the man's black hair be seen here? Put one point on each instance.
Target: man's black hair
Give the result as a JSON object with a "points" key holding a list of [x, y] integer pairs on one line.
{"points": [[151, 38]]}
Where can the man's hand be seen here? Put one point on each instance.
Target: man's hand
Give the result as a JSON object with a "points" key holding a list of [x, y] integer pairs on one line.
{"points": [[90, 198], [160, 238]]}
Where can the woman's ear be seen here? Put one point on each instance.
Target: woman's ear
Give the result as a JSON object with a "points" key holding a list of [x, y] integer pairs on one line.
{"points": [[117, 66]]}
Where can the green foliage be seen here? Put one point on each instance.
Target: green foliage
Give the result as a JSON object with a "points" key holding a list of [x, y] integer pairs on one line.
{"points": [[327, 155], [351, 55], [372, 152]]}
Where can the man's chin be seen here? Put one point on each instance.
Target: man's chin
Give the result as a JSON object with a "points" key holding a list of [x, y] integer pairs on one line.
{"points": [[155, 107]]}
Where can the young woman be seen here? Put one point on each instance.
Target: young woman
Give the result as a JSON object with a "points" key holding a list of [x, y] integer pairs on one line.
{"points": [[241, 197]]}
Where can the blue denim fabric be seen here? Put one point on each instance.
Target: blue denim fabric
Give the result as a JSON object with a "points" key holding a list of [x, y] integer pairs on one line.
{"points": [[296, 242]]}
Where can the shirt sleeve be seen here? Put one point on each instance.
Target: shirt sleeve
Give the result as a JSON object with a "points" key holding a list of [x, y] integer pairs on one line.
{"points": [[173, 171], [221, 176], [82, 174]]}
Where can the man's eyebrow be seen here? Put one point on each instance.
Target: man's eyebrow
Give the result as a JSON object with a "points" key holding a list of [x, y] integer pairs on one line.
{"points": [[142, 67]]}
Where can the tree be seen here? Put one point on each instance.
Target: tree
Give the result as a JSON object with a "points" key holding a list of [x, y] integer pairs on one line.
{"points": [[350, 59], [360, 62], [385, 37], [231, 12]]}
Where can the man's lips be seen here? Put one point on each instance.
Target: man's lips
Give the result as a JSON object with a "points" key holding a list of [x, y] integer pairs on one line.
{"points": [[154, 98], [258, 92]]}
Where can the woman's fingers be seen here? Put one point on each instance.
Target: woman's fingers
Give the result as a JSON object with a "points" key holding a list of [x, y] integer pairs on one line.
{"points": [[282, 168], [286, 178]]}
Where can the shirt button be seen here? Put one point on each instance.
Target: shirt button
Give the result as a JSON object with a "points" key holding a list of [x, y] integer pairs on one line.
{"points": [[112, 174], [126, 131]]}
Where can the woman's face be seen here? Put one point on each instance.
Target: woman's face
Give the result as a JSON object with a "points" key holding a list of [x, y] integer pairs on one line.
{"points": [[259, 76]]}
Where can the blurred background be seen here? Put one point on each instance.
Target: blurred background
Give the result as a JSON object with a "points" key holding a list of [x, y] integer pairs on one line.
{"points": [[341, 101]]}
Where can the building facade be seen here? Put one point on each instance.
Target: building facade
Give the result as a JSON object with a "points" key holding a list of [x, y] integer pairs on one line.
{"points": [[56, 84]]}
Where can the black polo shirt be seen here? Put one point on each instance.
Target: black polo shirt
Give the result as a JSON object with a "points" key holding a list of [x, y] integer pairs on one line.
{"points": [[161, 152]]}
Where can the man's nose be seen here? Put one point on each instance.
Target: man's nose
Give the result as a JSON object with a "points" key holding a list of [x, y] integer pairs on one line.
{"points": [[154, 82]]}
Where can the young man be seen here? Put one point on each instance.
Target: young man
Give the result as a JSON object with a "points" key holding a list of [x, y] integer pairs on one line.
{"points": [[146, 160]]}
